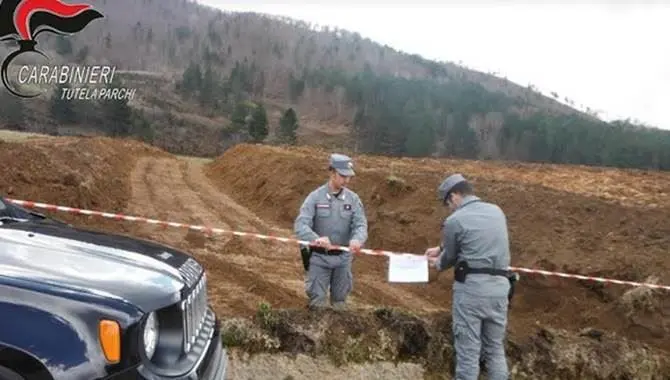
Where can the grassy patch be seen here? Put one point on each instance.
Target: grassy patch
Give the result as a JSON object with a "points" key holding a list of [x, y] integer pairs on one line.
{"points": [[640, 299], [11, 136], [392, 335]]}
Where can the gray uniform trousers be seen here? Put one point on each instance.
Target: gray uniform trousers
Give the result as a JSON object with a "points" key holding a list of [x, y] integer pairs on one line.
{"points": [[329, 271], [479, 313]]}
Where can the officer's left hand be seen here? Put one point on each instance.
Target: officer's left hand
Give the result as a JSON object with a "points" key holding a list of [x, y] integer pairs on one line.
{"points": [[355, 246]]}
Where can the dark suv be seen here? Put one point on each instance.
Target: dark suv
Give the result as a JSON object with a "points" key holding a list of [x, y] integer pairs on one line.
{"points": [[78, 304]]}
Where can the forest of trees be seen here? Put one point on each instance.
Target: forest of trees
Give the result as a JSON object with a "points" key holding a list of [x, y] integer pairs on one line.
{"points": [[236, 96], [397, 116], [421, 117]]}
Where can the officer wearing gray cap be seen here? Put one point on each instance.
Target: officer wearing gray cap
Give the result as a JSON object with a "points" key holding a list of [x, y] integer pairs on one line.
{"points": [[475, 242], [331, 215]]}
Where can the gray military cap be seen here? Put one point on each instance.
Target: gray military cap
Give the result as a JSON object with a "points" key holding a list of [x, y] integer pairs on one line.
{"points": [[448, 184], [342, 164]]}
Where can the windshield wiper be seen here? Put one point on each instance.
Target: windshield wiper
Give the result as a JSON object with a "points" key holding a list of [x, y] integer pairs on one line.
{"points": [[9, 219], [37, 214]]}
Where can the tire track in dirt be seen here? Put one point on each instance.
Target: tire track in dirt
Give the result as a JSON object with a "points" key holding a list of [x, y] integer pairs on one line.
{"points": [[149, 184], [279, 263], [242, 219], [175, 189], [232, 216], [141, 192]]}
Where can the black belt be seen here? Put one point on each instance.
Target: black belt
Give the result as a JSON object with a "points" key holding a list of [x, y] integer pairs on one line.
{"points": [[491, 271], [306, 253], [323, 251], [462, 270]]}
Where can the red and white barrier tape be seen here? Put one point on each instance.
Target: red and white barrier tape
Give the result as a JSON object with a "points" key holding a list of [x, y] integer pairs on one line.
{"points": [[30, 204], [204, 229]]}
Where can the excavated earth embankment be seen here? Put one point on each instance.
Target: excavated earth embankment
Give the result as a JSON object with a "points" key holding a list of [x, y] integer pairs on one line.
{"points": [[591, 221], [92, 173], [390, 344]]}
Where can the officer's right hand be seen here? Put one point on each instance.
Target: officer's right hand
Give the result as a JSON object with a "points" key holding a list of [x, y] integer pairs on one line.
{"points": [[433, 252], [432, 260], [323, 242]]}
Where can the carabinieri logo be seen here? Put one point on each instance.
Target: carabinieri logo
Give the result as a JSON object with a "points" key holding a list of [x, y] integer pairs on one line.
{"points": [[23, 20]]}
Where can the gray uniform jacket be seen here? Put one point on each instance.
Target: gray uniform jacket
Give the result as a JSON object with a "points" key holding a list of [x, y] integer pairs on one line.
{"points": [[477, 233], [340, 218]]}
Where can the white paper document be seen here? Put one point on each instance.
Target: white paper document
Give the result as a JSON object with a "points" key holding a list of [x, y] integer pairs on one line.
{"points": [[408, 268]]}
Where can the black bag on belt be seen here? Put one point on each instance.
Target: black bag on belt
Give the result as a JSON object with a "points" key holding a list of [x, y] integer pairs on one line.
{"points": [[305, 254]]}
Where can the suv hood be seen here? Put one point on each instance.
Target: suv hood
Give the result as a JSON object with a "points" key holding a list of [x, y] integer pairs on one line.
{"points": [[135, 271]]}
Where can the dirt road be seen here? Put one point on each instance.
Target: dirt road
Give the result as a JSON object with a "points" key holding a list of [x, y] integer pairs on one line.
{"points": [[175, 189]]}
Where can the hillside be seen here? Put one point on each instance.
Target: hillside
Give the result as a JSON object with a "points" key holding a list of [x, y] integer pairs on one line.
{"points": [[206, 80], [558, 329]]}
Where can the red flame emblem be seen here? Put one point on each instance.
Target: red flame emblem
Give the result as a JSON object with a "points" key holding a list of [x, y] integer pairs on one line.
{"points": [[27, 8]]}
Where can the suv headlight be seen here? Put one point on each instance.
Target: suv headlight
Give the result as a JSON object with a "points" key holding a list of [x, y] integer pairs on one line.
{"points": [[150, 335]]}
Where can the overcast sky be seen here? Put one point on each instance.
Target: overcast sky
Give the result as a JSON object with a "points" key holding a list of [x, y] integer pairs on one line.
{"points": [[612, 58]]}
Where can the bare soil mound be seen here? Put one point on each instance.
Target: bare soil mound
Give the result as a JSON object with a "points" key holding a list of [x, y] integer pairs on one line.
{"points": [[79, 172], [571, 224]]}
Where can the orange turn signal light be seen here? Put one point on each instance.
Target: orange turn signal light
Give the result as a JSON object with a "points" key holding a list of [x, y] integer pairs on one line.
{"points": [[109, 334]]}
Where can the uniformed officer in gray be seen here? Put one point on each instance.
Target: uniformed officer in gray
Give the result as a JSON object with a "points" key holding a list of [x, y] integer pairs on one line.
{"points": [[331, 215], [475, 233]]}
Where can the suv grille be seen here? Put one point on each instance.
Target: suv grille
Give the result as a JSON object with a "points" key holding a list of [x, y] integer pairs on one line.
{"points": [[190, 271], [194, 311]]}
